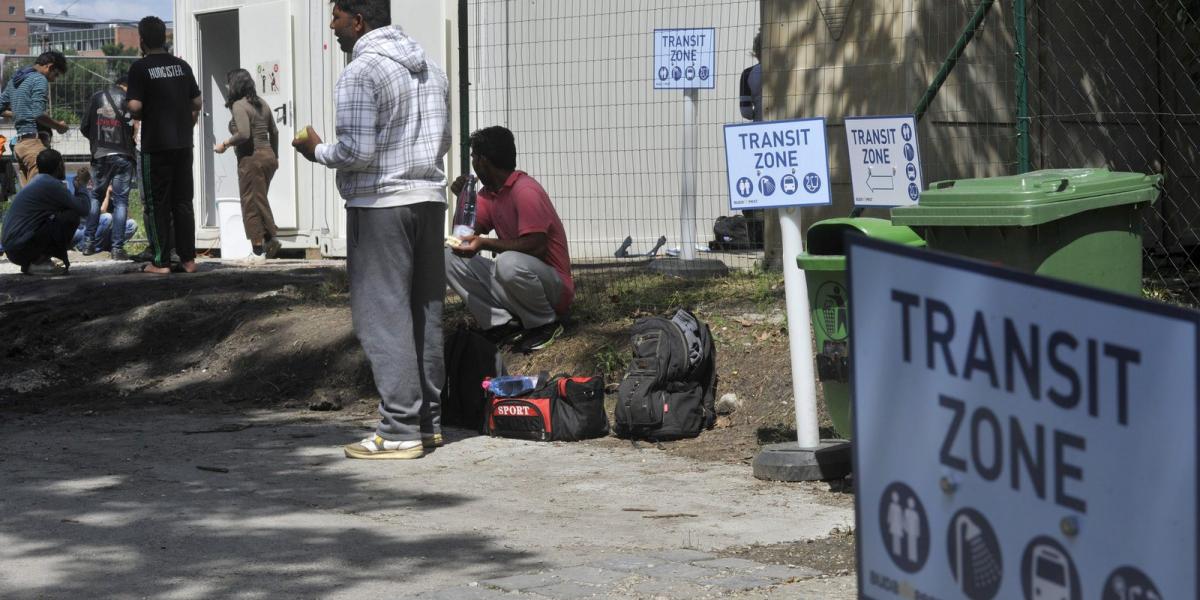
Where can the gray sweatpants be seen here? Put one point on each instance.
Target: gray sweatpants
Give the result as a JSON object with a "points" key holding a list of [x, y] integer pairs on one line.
{"points": [[397, 286], [514, 285]]}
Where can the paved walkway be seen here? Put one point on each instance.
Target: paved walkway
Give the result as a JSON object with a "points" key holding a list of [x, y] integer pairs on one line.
{"points": [[159, 503], [676, 574]]}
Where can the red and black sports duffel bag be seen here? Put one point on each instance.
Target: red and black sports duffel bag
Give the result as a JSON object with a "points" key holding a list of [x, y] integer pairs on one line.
{"points": [[565, 409]]}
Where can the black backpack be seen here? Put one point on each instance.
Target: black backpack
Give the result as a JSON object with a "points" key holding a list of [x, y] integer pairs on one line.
{"points": [[738, 232], [670, 389], [470, 358]]}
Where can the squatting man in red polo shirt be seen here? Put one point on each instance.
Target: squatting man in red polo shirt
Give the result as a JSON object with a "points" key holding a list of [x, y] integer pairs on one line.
{"points": [[520, 297]]}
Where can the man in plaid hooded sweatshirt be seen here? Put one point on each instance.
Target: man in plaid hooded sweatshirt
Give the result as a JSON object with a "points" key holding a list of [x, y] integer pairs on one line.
{"points": [[392, 136]]}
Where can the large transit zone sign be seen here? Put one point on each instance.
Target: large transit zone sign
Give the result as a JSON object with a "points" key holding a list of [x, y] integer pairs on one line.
{"points": [[685, 59], [1018, 437], [777, 163]]}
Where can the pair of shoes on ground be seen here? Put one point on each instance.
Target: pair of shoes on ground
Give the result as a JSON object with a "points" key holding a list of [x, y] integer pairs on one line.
{"points": [[377, 448], [49, 266], [524, 340]]}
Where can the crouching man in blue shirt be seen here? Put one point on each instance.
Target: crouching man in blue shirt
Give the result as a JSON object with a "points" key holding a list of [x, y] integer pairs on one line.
{"points": [[41, 222]]}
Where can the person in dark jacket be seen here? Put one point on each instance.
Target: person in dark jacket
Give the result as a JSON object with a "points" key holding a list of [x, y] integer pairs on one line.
{"points": [[109, 127], [39, 225]]}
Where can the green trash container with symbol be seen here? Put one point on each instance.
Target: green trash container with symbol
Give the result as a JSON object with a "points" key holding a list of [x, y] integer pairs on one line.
{"points": [[824, 265], [1080, 225]]}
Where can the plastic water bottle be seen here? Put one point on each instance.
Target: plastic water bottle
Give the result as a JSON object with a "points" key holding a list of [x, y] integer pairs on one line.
{"points": [[464, 215], [512, 385]]}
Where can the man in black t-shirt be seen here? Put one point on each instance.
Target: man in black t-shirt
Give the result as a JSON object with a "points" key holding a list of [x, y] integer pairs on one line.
{"points": [[163, 94]]}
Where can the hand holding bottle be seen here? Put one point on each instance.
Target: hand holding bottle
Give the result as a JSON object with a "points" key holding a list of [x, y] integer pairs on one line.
{"points": [[464, 215]]}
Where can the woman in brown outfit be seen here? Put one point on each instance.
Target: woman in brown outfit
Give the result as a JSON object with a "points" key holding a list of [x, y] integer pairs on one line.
{"points": [[255, 141]]}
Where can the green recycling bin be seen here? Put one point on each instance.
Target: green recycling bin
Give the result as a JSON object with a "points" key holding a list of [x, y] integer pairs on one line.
{"points": [[1081, 225], [825, 270]]}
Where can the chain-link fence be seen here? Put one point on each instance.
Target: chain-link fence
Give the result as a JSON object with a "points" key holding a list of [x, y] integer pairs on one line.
{"points": [[1115, 85], [1105, 84], [574, 81], [71, 92]]}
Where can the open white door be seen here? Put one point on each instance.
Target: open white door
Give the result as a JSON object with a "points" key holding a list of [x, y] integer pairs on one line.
{"points": [[265, 36]]}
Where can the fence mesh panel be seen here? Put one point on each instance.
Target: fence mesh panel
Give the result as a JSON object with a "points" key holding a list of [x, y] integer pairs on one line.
{"points": [[1110, 84], [1117, 87], [573, 80]]}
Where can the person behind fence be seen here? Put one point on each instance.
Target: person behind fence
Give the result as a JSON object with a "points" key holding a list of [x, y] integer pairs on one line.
{"points": [[522, 296], [255, 141], [104, 223], [42, 219], [750, 85], [163, 94], [28, 96], [392, 110], [109, 128]]}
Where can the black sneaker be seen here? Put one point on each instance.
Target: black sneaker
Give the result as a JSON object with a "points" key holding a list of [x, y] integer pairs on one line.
{"points": [[146, 255], [540, 338], [506, 334], [119, 254]]}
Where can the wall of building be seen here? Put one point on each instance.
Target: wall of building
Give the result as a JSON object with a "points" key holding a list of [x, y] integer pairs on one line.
{"points": [[14, 29]]}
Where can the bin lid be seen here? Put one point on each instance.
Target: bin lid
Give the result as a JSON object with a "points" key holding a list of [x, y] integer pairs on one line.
{"points": [[1029, 199], [825, 240]]}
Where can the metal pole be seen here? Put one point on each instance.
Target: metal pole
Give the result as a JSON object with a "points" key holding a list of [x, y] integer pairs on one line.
{"points": [[951, 60], [687, 199], [1023, 165], [464, 89], [804, 388]]}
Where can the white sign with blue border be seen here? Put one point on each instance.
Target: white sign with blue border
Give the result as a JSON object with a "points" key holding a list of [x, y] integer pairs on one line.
{"points": [[685, 59], [885, 160], [777, 163], [1018, 437]]}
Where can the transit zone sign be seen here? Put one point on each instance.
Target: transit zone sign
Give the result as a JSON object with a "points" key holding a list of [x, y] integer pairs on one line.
{"points": [[885, 160], [777, 163], [1018, 437], [685, 59]]}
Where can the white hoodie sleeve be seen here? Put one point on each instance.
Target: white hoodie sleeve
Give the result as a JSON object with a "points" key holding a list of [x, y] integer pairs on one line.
{"points": [[357, 111]]}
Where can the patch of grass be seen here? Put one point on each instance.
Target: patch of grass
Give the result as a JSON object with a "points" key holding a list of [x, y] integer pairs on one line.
{"points": [[607, 297], [611, 362], [335, 285]]}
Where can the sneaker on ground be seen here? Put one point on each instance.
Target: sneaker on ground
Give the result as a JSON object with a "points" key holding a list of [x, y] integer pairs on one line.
{"points": [[119, 254], [49, 266], [541, 337], [432, 440], [146, 255], [87, 250], [508, 333], [272, 247], [377, 448]]}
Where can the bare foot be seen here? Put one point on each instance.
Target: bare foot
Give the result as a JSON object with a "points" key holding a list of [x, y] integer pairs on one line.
{"points": [[150, 268], [189, 266]]}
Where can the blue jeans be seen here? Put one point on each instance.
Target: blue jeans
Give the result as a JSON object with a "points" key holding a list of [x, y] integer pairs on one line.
{"points": [[104, 223], [117, 171]]}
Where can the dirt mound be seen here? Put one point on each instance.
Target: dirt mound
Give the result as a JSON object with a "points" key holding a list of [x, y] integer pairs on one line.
{"points": [[227, 338]]}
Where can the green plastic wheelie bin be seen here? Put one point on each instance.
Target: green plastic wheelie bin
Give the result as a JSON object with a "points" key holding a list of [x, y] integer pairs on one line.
{"points": [[824, 265], [1080, 225]]}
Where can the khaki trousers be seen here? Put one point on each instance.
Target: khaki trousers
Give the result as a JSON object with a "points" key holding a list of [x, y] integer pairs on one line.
{"points": [[254, 180], [26, 153]]}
